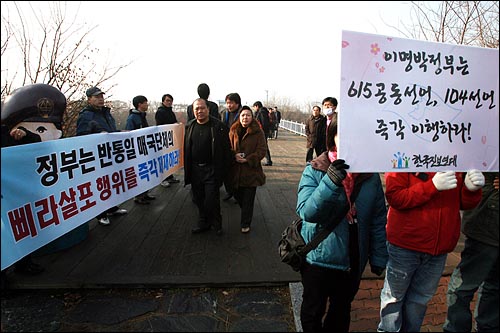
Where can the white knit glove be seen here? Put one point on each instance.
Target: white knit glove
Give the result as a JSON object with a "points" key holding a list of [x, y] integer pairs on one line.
{"points": [[445, 180], [474, 180]]}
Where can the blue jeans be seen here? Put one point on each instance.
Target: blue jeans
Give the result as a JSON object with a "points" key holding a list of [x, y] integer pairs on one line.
{"points": [[410, 282], [478, 267]]}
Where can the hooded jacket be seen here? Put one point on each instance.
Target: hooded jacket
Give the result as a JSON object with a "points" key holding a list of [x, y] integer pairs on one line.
{"points": [[136, 120], [420, 217], [319, 199]]}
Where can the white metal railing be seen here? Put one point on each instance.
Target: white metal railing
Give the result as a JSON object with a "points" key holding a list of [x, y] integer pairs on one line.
{"points": [[292, 126]]}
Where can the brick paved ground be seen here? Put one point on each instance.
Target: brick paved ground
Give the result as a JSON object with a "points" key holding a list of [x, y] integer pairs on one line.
{"points": [[366, 305]]}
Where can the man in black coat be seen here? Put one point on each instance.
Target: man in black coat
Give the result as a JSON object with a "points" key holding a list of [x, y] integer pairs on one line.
{"points": [[207, 160], [204, 92], [262, 116], [165, 115]]}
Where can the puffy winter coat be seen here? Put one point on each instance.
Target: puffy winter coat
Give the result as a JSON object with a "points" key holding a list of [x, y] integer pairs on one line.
{"points": [[91, 120], [319, 198], [136, 120], [420, 217], [165, 115]]}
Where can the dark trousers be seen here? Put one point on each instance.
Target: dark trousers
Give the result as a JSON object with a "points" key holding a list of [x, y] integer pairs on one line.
{"points": [[228, 187], [274, 132], [268, 153], [476, 272], [206, 196], [246, 198], [322, 285], [310, 151]]}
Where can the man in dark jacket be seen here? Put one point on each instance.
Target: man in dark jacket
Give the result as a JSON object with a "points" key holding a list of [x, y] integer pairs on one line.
{"points": [[229, 117], [207, 159], [316, 133], [478, 267], [137, 120], [204, 92], [97, 118], [262, 116], [165, 115], [278, 121]]}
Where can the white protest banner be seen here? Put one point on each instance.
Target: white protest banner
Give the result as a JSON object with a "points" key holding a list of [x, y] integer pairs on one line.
{"points": [[50, 188], [416, 106]]}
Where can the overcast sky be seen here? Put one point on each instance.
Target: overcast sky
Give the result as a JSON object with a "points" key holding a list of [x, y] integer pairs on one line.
{"points": [[259, 49]]}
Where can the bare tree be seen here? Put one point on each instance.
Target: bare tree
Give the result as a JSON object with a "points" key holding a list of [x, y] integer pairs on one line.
{"points": [[52, 49], [473, 23], [289, 109]]}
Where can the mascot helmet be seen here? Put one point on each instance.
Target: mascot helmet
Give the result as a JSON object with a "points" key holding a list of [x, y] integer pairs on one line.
{"points": [[37, 102]]}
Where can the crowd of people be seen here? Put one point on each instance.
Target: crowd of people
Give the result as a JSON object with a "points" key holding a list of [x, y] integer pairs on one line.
{"points": [[405, 230], [226, 148]]}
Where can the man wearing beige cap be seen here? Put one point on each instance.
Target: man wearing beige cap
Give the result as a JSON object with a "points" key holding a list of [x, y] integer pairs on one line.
{"points": [[97, 118]]}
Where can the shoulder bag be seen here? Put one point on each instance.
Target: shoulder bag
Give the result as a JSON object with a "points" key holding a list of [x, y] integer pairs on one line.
{"points": [[293, 249]]}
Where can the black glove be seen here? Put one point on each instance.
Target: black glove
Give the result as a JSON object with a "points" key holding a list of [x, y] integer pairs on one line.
{"points": [[336, 172], [377, 270], [94, 126]]}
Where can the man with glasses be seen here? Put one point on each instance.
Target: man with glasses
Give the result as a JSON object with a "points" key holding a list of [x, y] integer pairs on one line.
{"points": [[165, 115]]}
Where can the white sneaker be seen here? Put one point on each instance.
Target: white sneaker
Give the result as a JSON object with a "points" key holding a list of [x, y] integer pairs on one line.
{"points": [[173, 180], [120, 211], [165, 183], [104, 221]]}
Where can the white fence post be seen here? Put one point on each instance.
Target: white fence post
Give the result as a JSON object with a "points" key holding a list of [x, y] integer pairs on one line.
{"points": [[292, 126]]}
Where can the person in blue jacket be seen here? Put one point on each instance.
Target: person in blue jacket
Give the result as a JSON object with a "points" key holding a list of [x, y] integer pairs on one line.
{"points": [[136, 120], [332, 271]]}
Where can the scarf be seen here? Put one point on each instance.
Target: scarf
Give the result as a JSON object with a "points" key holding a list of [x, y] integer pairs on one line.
{"points": [[348, 183]]}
